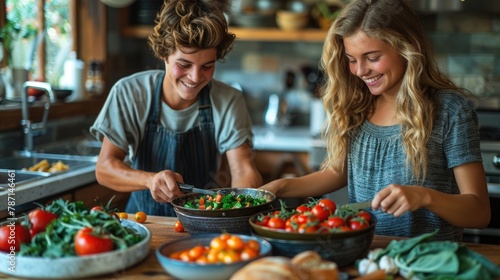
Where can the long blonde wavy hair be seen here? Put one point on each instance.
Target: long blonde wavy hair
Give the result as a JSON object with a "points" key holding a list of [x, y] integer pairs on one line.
{"points": [[348, 101]]}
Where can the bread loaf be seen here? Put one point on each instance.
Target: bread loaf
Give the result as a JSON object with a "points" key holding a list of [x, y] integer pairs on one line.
{"points": [[307, 265], [315, 266]]}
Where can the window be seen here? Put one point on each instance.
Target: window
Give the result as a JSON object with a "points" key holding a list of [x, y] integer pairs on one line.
{"points": [[39, 36]]}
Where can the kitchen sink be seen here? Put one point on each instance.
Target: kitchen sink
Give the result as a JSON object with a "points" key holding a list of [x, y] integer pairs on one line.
{"points": [[20, 161], [14, 177]]}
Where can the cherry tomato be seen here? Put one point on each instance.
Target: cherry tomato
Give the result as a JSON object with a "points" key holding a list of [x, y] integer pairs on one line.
{"points": [[123, 215], [328, 204], [320, 212], [218, 244], [276, 223], [235, 243], [141, 217], [358, 223], [39, 219], [229, 256], [365, 215], [302, 219], [262, 220], [290, 228], [253, 244], [343, 228], [335, 221], [292, 220], [225, 236], [248, 254], [196, 252], [88, 243], [302, 208], [306, 228], [179, 227], [96, 208], [185, 257], [12, 236]]}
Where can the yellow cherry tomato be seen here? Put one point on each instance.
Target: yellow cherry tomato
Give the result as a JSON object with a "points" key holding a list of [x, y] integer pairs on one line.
{"points": [[141, 217], [123, 215]]}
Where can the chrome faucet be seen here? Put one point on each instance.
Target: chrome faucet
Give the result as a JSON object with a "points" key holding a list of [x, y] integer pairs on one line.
{"points": [[31, 129]]}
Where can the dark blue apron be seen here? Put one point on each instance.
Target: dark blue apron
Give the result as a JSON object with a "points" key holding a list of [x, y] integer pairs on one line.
{"points": [[193, 154]]}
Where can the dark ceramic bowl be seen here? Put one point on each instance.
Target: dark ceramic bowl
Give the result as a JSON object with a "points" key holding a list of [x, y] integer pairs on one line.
{"points": [[197, 221], [61, 94], [342, 248], [195, 225], [188, 270], [179, 202]]}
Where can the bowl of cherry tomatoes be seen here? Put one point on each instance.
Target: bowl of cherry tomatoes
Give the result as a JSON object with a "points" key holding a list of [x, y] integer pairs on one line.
{"points": [[339, 234], [210, 256]]}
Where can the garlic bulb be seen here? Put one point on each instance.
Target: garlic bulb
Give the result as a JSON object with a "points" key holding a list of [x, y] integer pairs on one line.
{"points": [[367, 266], [388, 264]]}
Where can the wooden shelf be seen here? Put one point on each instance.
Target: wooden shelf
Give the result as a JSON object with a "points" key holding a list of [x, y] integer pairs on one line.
{"points": [[276, 34], [247, 34]]}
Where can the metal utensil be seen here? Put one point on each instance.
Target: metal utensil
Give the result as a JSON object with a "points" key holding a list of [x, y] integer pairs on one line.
{"points": [[359, 205], [186, 188]]}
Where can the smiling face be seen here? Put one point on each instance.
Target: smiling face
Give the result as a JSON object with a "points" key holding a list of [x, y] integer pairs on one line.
{"points": [[186, 74], [375, 62]]}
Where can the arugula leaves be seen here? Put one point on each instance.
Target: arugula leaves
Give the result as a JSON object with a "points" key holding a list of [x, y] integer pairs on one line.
{"points": [[57, 240]]}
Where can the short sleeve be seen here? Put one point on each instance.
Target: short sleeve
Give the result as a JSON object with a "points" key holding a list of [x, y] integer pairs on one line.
{"points": [[233, 126], [461, 131]]}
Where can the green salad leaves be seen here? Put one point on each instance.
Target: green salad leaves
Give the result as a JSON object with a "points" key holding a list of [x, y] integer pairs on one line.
{"points": [[224, 202]]}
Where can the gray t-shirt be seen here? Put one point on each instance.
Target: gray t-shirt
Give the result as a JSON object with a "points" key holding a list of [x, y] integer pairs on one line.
{"points": [[124, 115], [377, 158]]}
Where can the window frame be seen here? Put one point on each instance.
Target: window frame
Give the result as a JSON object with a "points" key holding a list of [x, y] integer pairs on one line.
{"points": [[88, 20]]}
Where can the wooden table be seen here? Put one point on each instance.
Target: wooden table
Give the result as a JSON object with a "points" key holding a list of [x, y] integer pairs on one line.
{"points": [[162, 229]]}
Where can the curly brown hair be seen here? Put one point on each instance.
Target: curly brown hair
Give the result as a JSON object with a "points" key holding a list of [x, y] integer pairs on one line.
{"points": [[193, 24]]}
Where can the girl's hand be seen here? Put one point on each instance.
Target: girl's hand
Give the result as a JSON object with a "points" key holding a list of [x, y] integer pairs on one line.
{"points": [[397, 199]]}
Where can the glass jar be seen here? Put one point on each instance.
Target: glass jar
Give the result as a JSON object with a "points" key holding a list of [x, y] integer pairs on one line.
{"points": [[94, 83]]}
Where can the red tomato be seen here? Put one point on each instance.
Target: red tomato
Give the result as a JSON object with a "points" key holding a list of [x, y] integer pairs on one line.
{"points": [[88, 243], [334, 222], [303, 208], [11, 237], [276, 223], [344, 228], [365, 215], [302, 218], [293, 220], [306, 228], [96, 208], [290, 228], [179, 227], [320, 212], [328, 204], [358, 223], [262, 220], [39, 219]]}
